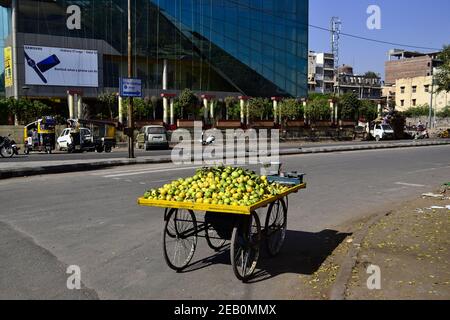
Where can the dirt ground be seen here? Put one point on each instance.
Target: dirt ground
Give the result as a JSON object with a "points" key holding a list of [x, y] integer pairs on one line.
{"points": [[410, 245]]}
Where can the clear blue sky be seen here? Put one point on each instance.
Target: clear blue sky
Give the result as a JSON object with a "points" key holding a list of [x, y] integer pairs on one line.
{"points": [[414, 22]]}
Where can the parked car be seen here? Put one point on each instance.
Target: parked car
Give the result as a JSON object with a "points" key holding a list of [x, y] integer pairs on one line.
{"points": [[73, 140], [382, 132], [152, 137]]}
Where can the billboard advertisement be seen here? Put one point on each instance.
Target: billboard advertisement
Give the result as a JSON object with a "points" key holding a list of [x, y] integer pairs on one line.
{"points": [[8, 67], [46, 66]]}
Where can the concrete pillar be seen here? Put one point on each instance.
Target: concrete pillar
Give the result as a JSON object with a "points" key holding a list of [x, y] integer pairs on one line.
{"points": [[242, 104], [70, 102], [166, 110], [165, 75], [332, 110], [336, 113], [120, 109], [205, 110], [211, 110], [79, 106], [227, 115], [380, 109], [172, 112], [275, 111], [304, 110], [247, 113]]}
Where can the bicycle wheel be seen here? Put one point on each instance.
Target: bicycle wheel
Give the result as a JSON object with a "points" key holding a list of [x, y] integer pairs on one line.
{"points": [[245, 244], [276, 227], [180, 238]]}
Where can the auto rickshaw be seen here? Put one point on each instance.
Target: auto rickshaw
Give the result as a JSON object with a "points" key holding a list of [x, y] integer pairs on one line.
{"points": [[40, 136]]}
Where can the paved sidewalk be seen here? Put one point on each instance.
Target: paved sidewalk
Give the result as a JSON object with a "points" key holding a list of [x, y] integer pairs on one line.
{"points": [[22, 169]]}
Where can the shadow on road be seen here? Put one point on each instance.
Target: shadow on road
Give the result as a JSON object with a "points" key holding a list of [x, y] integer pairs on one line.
{"points": [[303, 253]]}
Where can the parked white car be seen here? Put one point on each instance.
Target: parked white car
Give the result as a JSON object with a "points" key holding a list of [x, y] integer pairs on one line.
{"points": [[382, 132], [66, 141]]}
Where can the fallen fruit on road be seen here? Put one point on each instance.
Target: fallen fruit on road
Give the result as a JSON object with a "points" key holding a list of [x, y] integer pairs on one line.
{"points": [[219, 185]]}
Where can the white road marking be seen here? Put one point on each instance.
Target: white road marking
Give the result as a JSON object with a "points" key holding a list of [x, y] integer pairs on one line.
{"points": [[149, 171], [410, 184], [103, 172]]}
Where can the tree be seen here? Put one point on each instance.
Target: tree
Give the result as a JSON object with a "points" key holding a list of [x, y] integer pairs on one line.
{"points": [[444, 113], [108, 100], [419, 111], [318, 108], [258, 108], [233, 108], [442, 77], [368, 110], [143, 108], [371, 75], [349, 106], [4, 110], [187, 102], [291, 109]]}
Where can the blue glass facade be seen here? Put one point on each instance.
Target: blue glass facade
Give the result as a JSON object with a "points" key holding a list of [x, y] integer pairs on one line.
{"points": [[254, 47]]}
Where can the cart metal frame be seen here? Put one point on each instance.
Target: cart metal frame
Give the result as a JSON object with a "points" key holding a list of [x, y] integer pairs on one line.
{"points": [[238, 224]]}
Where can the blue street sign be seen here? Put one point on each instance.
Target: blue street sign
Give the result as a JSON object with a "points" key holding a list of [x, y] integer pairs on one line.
{"points": [[130, 88]]}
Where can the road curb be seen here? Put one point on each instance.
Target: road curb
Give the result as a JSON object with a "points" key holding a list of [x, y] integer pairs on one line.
{"points": [[79, 167], [338, 291]]}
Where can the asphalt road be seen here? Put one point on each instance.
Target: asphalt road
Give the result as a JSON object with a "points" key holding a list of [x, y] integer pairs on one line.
{"points": [[123, 153], [91, 220]]}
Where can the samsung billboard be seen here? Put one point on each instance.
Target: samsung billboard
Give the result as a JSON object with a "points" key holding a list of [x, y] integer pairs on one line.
{"points": [[47, 66]]}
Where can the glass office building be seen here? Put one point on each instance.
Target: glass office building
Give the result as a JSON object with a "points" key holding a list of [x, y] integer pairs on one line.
{"points": [[250, 47]]}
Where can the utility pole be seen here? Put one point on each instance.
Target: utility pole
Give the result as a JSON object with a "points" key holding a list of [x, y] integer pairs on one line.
{"points": [[430, 118], [130, 100], [15, 64], [335, 36]]}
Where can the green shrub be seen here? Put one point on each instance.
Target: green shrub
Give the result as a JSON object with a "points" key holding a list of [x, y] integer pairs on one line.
{"points": [[444, 113], [419, 111]]}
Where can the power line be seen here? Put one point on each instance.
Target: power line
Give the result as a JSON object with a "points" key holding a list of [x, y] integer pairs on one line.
{"points": [[328, 30]]}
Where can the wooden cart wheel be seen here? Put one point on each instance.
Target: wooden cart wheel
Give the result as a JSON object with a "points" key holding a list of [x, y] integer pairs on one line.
{"points": [[245, 244], [276, 227], [213, 238], [180, 238]]}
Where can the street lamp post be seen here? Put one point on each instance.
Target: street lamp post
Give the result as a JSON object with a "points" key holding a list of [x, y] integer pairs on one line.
{"points": [[130, 100]]}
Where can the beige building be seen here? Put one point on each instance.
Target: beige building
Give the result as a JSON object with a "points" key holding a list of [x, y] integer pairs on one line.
{"points": [[413, 92]]}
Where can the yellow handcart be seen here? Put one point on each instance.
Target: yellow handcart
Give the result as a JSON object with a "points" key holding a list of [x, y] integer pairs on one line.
{"points": [[239, 225]]}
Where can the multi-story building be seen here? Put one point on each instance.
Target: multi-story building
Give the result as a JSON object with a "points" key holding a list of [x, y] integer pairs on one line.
{"points": [[417, 91], [409, 77], [214, 47], [406, 64], [321, 72], [367, 86]]}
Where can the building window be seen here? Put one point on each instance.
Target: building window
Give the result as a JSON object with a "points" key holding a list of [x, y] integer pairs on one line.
{"points": [[402, 89], [414, 89], [402, 103], [414, 102], [427, 88]]}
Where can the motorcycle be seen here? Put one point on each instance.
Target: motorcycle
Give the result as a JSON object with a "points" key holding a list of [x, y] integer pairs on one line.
{"points": [[209, 141], [8, 148]]}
